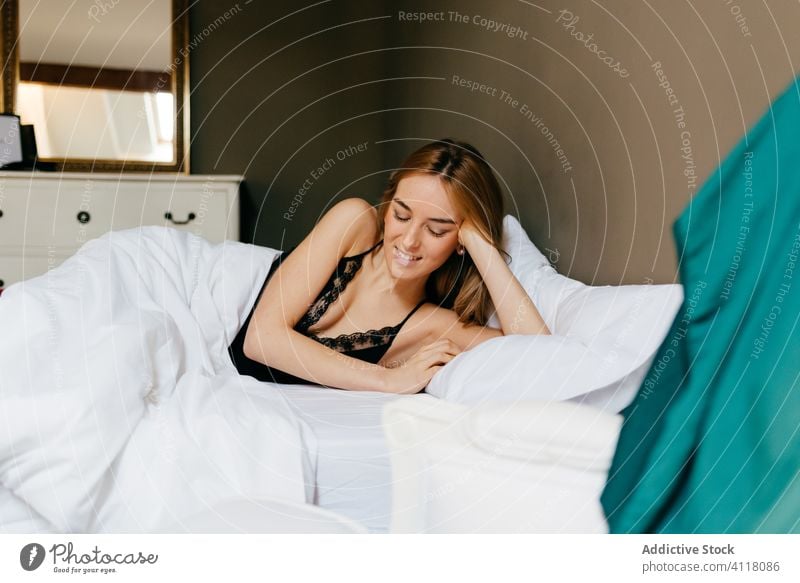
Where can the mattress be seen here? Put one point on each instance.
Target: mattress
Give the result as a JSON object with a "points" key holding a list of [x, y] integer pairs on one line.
{"points": [[353, 474]]}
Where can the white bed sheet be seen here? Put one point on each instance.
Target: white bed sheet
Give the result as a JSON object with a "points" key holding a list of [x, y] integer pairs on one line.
{"points": [[353, 474], [351, 466], [17, 517]]}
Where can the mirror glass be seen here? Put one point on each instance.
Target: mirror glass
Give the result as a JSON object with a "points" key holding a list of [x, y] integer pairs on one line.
{"points": [[95, 79]]}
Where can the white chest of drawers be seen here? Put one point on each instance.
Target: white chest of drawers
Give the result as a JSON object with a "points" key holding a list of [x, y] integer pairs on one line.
{"points": [[46, 217]]}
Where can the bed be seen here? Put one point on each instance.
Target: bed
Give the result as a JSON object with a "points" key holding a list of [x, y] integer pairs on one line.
{"points": [[121, 411]]}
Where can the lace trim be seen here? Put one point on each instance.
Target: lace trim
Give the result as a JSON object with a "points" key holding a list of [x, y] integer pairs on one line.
{"points": [[359, 340], [355, 340], [338, 283]]}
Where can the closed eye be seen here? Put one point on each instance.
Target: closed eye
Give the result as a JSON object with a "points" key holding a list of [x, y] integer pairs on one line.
{"points": [[406, 219]]}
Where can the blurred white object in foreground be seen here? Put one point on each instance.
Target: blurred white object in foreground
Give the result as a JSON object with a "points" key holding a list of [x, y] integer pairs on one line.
{"points": [[529, 467]]}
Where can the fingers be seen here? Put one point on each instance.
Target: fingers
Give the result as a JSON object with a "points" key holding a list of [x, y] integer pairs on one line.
{"points": [[429, 359], [441, 344], [439, 357], [444, 358]]}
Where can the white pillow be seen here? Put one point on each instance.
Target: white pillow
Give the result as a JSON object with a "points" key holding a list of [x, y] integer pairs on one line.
{"points": [[604, 339], [522, 368], [532, 270]]}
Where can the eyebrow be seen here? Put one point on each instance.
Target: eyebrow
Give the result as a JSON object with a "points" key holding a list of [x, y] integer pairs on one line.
{"points": [[408, 208]]}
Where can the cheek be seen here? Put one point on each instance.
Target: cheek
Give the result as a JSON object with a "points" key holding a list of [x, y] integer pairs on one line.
{"points": [[444, 247], [390, 229]]}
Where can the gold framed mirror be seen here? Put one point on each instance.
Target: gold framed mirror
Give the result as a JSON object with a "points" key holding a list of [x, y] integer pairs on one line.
{"points": [[105, 84]]}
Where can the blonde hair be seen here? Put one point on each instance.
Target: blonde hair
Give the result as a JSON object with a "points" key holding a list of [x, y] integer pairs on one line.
{"points": [[473, 189]]}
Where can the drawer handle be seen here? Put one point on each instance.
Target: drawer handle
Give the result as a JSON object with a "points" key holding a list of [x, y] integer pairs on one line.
{"points": [[1, 213], [84, 217], [189, 219]]}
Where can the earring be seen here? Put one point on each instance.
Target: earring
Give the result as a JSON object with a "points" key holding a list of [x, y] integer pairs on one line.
{"points": [[460, 250]]}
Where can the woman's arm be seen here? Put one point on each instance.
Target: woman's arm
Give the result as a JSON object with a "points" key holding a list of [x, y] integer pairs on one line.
{"points": [[516, 311], [272, 340]]}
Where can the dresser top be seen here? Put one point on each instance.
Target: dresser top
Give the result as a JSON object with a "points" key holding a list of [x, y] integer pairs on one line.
{"points": [[117, 177]]}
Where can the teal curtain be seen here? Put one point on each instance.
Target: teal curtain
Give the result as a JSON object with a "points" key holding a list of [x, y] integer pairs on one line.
{"points": [[711, 444]]}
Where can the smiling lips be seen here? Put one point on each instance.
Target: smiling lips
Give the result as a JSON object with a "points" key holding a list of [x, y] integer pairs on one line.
{"points": [[404, 258]]}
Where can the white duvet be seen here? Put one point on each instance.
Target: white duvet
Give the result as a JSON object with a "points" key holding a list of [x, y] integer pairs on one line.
{"points": [[119, 407]]}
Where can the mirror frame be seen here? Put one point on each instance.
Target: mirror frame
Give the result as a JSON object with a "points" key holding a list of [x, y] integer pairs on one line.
{"points": [[9, 52]]}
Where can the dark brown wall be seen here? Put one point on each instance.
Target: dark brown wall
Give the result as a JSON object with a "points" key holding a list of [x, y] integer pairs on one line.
{"points": [[603, 212], [274, 100]]}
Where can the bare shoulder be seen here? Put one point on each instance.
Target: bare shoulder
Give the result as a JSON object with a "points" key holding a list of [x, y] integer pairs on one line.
{"points": [[357, 220], [305, 271], [435, 319]]}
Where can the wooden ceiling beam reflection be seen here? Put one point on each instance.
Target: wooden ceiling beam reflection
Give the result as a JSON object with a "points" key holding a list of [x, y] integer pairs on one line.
{"points": [[94, 77]]}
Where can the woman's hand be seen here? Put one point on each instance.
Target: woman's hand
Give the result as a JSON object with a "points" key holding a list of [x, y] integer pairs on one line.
{"points": [[415, 374], [471, 239], [516, 311]]}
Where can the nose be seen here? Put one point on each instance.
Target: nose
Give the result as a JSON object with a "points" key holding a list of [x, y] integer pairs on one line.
{"points": [[411, 237]]}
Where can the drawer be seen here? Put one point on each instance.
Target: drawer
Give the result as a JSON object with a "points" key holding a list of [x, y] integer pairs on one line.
{"points": [[62, 215], [204, 210]]}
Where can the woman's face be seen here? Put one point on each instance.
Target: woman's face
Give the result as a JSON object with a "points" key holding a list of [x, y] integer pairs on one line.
{"points": [[421, 227]]}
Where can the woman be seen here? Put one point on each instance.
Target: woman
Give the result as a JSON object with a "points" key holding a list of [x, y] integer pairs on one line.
{"points": [[428, 257]]}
